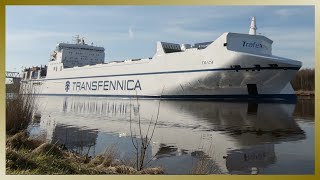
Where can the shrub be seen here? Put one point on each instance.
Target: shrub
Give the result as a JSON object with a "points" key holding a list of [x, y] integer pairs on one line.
{"points": [[19, 108]]}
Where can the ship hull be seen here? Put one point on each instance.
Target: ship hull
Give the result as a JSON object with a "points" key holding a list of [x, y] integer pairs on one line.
{"points": [[219, 71], [205, 84]]}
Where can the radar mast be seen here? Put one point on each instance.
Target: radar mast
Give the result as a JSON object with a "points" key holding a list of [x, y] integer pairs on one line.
{"points": [[253, 27]]}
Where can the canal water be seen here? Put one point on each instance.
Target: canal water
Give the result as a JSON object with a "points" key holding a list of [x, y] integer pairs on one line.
{"points": [[189, 136]]}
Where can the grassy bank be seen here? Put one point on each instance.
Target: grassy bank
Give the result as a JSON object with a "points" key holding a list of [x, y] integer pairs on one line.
{"points": [[32, 156]]}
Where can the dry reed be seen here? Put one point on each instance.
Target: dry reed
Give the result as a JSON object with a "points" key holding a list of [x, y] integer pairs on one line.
{"points": [[20, 108]]}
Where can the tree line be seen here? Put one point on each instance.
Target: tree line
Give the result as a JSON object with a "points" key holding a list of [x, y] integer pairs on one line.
{"points": [[304, 80]]}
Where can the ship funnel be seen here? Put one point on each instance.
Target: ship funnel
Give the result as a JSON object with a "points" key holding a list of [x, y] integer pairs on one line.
{"points": [[253, 26]]}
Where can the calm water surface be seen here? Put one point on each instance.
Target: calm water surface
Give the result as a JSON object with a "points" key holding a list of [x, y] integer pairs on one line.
{"points": [[233, 138]]}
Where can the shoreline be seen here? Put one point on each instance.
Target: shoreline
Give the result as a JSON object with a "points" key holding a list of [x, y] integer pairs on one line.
{"points": [[31, 156], [304, 93]]}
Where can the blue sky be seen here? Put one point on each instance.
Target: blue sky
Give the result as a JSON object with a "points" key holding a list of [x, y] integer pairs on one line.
{"points": [[132, 31]]}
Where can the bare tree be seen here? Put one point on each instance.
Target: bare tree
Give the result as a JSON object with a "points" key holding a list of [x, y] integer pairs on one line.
{"points": [[304, 80], [145, 140]]}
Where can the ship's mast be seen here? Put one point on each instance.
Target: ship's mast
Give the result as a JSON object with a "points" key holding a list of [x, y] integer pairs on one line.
{"points": [[77, 39], [253, 26]]}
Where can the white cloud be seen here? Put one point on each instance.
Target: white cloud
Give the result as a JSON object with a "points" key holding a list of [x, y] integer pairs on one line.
{"points": [[30, 41], [179, 32], [285, 13], [33, 35], [299, 38], [130, 32], [294, 43]]}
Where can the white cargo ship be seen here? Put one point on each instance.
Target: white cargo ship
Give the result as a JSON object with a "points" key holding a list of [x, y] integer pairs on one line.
{"points": [[234, 66]]}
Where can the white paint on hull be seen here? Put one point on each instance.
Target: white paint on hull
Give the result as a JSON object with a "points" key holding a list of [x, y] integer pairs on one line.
{"points": [[193, 72]]}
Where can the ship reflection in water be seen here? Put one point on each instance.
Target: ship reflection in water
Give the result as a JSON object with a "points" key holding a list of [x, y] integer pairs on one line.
{"points": [[236, 138]]}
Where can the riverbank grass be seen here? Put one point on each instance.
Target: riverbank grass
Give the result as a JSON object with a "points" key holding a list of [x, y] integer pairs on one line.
{"points": [[20, 108], [31, 156]]}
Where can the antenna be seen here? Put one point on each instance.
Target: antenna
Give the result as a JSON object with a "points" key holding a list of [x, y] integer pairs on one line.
{"points": [[253, 27], [77, 39], [82, 41]]}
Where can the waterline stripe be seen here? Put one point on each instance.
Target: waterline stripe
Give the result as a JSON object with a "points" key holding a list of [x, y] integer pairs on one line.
{"points": [[291, 98], [174, 72]]}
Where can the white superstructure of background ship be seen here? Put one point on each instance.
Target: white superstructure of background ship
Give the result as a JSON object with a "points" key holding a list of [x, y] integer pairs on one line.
{"points": [[234, 66]]}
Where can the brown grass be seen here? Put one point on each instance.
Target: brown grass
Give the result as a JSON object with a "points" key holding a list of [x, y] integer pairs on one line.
{"points": [[29, 156], [155, 170], [106, 159], [19, 109], [201, 167], [205, 165], [46, 149], [21, 140]]}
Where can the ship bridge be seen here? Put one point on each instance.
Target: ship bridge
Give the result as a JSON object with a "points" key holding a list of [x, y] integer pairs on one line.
{"points": [[67, 55]]}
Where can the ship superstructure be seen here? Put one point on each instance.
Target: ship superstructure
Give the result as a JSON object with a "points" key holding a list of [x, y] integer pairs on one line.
{"points": [[233, 66]]}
